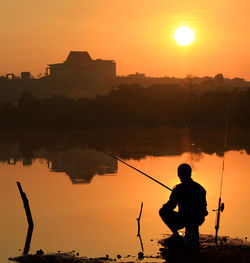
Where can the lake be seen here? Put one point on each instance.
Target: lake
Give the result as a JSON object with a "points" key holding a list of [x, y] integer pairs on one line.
{"points": [[83, 200]]}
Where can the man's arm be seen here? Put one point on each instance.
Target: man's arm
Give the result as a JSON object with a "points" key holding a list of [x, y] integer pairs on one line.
{"points": [[172, 202], [205, 204]]}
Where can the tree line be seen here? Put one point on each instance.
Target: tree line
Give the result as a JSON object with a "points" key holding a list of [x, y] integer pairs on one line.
{"points": [[131, 105]]}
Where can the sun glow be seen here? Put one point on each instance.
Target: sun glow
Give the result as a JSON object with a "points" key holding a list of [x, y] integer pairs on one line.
{"points": [[184, 35]]}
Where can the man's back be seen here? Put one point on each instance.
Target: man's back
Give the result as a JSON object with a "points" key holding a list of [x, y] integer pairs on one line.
{"points": [[191, 200]]}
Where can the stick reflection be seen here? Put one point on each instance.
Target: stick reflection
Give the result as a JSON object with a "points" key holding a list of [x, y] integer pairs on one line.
{"points": [[139, 228]]}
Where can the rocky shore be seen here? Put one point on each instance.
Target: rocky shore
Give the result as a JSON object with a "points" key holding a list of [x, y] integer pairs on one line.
{"points": [[228, 250]]}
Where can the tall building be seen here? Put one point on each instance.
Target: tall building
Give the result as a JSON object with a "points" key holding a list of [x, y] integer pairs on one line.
{"points": [[79, 65]]}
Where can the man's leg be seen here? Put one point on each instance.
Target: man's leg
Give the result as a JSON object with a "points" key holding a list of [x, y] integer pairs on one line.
{"points": [[172, 219]]}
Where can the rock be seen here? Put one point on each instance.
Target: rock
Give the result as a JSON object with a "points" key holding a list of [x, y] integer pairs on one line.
{"points": [[140, 255], [118, 256], [39, 252]]}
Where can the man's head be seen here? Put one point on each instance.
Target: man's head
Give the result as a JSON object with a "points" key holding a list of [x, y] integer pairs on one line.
{"points": [[184, 172]]}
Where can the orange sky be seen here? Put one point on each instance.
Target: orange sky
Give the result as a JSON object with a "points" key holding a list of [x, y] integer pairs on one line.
{"points": [[137, 34]]}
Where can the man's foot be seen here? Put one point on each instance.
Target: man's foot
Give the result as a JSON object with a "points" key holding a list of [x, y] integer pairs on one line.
{"points": [[174, 241]]}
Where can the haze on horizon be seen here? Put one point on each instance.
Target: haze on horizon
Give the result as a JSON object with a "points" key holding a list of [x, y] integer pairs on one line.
{"points": [[138, 35]]}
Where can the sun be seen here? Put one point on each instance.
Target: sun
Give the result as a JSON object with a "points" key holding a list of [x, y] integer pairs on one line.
{"points": [[184, 35]]}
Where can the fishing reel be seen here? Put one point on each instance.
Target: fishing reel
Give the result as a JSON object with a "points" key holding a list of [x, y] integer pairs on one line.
{"points": [[221, 208]]}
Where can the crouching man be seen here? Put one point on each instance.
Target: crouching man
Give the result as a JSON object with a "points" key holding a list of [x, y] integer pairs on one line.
{"points": [[191, 200]]}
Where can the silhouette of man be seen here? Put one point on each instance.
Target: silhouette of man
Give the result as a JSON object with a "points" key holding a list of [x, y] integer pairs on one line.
{"points": [[191, 200]]}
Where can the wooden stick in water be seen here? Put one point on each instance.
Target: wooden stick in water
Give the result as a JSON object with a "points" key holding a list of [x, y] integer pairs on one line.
{"points": [[26, 205], [29, 218], [138, 221], [28, 240], [142, 248], [139, 227]]}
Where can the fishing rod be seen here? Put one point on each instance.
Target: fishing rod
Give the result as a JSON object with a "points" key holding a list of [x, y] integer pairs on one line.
{"points": [[221, 205], [118, 159]]}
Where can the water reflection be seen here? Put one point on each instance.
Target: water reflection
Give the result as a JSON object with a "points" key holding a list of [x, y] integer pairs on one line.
{"points": [[66, 152], [99, 217], [81, 165]]}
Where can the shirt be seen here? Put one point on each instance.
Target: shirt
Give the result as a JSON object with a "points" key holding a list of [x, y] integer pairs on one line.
{"points": [[191, 200]]}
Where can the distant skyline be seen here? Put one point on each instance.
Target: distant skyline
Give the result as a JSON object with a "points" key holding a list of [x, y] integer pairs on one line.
{"points": [[138, 35]]}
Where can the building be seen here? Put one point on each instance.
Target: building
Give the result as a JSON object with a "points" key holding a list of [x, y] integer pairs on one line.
{"points": [[79, 65], [25, 75]]}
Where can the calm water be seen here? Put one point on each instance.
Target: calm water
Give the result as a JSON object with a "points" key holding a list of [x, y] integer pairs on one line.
{"points": [[82, 200]]}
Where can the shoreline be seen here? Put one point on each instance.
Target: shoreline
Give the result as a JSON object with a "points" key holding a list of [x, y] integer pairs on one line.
{"points": [[230, 250]]}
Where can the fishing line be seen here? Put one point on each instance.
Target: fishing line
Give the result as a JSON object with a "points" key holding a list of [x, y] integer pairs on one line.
{"points": [[224, 150], [120, 160], [220, 204]]}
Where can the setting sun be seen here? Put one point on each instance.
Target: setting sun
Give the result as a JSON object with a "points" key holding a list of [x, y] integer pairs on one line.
{"points": [[184, 35]]}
